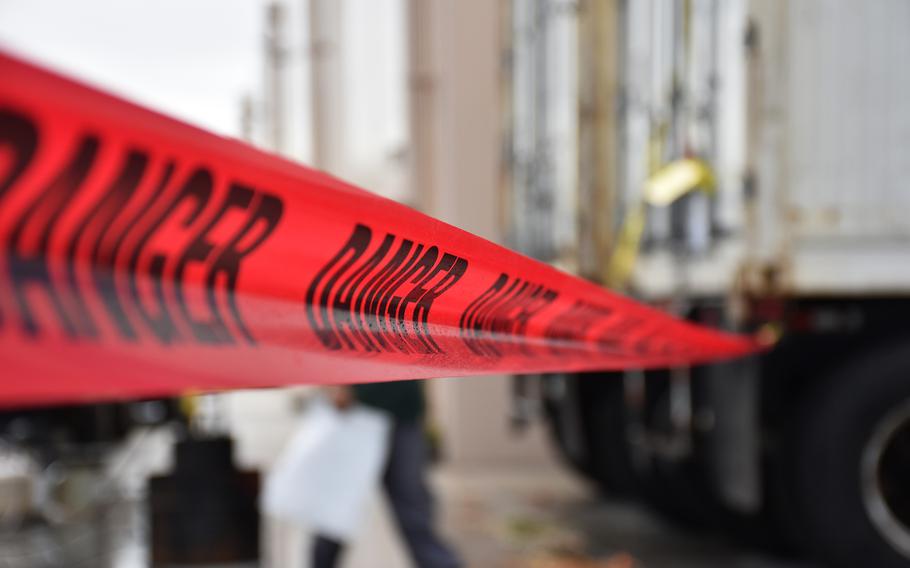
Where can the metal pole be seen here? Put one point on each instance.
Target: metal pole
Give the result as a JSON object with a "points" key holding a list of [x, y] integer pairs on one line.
{"points": [[247, 118], [325, 66], [421, 101], [275, 52], [598, 124]]}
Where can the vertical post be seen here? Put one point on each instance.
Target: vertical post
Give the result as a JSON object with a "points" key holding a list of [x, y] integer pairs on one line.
{"points": [[598, 92], [456, 131], [275, 52], [247, 118], [421, 102], [326, 87], [507, 115]]}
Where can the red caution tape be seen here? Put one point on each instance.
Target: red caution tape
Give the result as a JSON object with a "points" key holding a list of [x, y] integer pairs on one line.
{"points": [[141, 257]]}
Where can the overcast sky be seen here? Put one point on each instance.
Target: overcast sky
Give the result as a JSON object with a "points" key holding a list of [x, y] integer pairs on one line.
{"points": [[196, 59], [190, 58]]}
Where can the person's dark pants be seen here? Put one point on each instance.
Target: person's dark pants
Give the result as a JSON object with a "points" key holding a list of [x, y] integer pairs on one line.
{"points": [[411, 501]]}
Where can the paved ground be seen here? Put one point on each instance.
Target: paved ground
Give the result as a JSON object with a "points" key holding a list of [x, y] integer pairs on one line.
{"points": [[548, 519], [540, 517]]}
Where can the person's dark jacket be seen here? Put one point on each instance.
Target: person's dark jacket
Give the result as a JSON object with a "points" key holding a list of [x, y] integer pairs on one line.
{"points": [[402, 399]]}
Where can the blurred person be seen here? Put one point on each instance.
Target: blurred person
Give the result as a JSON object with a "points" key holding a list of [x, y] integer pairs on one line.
{"points": [[404, 477]]}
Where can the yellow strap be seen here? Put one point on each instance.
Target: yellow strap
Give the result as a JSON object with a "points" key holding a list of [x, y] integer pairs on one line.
{"points": [[622, 261], [676, 179], [665, 186]]}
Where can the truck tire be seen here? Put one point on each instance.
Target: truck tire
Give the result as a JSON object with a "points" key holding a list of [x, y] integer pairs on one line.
{"points": [[608, 434], [852, 463], [588, 426], [564, 418]]}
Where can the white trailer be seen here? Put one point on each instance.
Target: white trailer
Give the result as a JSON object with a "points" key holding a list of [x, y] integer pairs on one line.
{"points": [[801, 110]]}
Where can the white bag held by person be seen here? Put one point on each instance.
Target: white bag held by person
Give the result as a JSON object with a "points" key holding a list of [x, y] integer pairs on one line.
{"points": [[324, 477]]}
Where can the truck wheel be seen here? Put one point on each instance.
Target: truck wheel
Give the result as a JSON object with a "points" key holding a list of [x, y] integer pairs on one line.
{"points": [[852, 470], [586, 416], [608, 434], [565, 422]]}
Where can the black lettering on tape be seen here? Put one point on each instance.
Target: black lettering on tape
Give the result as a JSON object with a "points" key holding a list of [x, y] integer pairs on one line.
{"points": [[494, 322], [266, 212], [100, 220], [575, 324], [28, 265], [382, 303], [19, 136], [106, 233]]}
